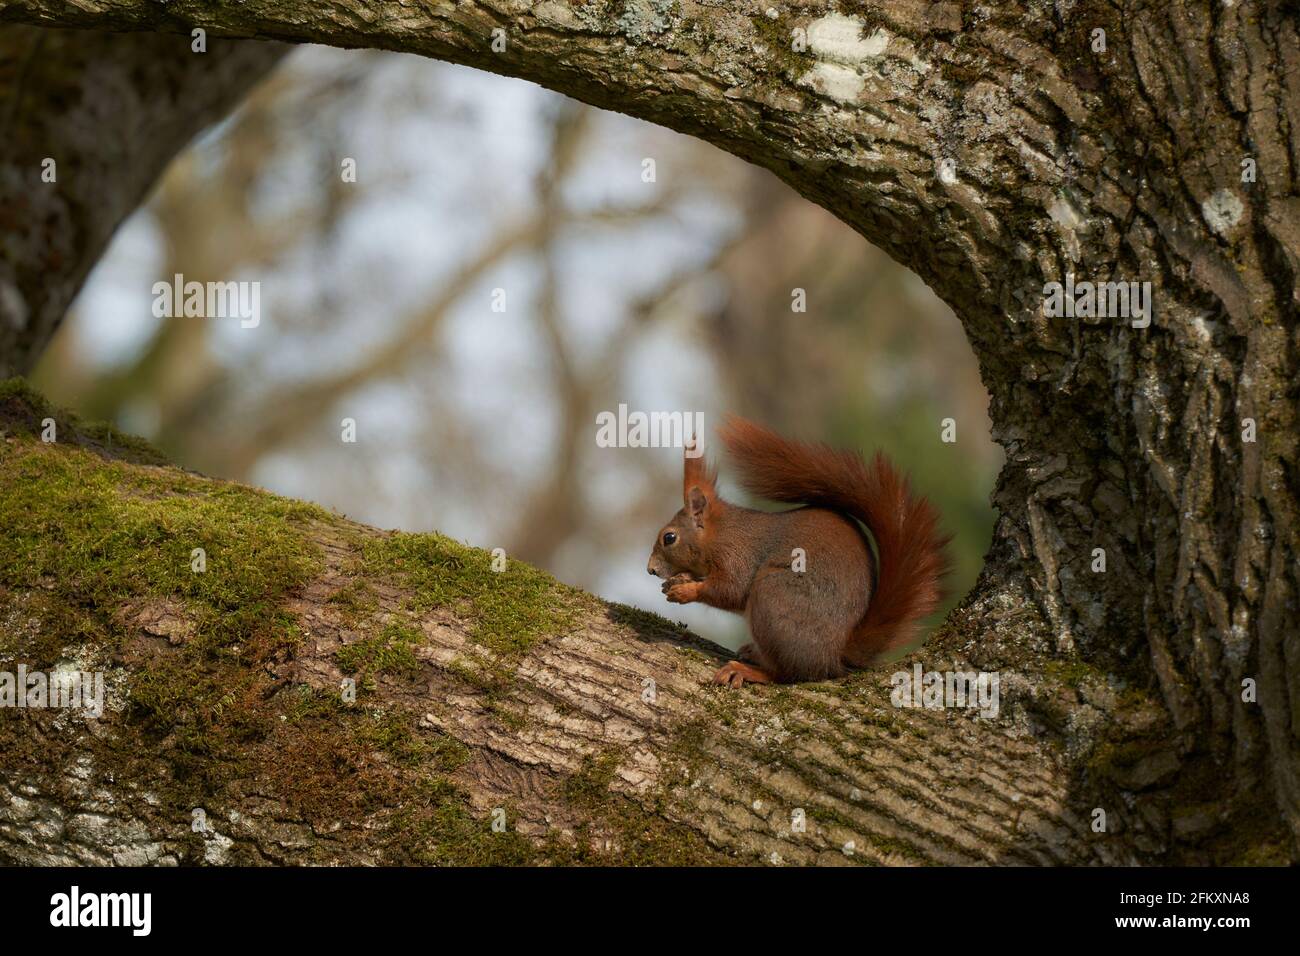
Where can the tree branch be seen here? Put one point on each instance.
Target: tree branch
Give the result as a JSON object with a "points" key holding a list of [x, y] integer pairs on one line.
{"points": [[593, 727], [109, 111]]}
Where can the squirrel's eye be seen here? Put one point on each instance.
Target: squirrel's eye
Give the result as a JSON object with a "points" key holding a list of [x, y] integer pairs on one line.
{"points": [[670, 537]]}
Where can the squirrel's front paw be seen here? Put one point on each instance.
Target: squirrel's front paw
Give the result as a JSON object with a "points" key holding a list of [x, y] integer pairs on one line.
{"points": [[681, 577], [683, 591], [677, 578]]}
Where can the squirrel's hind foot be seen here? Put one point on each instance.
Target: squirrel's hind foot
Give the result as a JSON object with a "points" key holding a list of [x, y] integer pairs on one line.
{"points": [[734, 674]]}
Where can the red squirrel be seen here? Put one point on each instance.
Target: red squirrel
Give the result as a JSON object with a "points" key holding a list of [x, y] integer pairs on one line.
{"points": [[819, 612]]}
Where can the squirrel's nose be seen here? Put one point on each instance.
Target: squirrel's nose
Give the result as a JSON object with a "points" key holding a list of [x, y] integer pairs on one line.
{"points": [[650, 569]]}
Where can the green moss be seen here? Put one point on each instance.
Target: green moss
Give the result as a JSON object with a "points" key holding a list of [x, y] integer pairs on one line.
{"points": [[37, 627], [1259, 846], [305, 702], [889, 846], [778, 36], [618, 830], [356, 600], [173, 697], [1073, 672], [393, 733], [435, 826], [493, 679], [490, 677], [23, 411], [100, 538], [389, 652], [645, 623], [508, 610], [590, 784], [100, 533], [92, 540]]}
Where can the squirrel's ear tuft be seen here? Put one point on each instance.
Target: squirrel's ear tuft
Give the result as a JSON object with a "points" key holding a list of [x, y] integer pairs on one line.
{"points": [[696, 474], [697, 503]]}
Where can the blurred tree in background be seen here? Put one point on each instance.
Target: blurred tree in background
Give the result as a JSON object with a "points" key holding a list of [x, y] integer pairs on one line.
{"points": [[671, 294]]}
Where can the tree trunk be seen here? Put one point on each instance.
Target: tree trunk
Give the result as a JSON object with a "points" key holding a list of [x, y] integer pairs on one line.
{"points": [[993, 151], [89, 121]]}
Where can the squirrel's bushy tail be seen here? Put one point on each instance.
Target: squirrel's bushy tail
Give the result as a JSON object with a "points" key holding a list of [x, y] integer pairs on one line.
{"points": [[911, 551]]}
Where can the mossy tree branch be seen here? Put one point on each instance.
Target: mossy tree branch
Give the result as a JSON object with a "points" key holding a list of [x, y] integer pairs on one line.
{"points": [[591, 727]]}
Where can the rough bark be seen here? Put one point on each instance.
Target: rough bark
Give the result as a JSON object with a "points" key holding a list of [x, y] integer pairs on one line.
{"points": [[992, 150], [110, 111]]}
